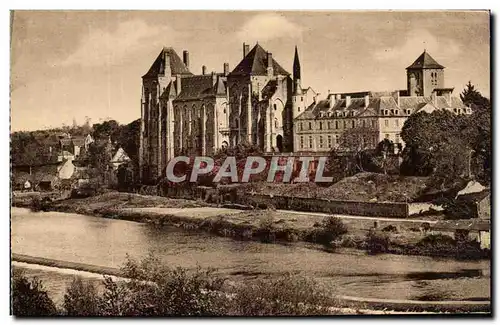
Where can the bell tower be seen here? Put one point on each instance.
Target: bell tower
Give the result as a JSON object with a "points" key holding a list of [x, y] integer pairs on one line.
{"points": [[424, 75]]}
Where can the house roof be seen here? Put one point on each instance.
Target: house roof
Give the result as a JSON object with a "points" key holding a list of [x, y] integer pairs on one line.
{"points": [[176, 64], [80, 142], [66, 142], [378, 104], [474, 197], [120, 156], [425, 61], [255, 63], [469, 224]]}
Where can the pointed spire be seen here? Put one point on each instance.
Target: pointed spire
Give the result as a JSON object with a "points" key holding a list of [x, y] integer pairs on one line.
{"points": [[296, 65]]}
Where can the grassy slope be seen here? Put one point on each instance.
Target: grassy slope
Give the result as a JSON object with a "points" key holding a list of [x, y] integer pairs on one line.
{"points": [[360, 187]]}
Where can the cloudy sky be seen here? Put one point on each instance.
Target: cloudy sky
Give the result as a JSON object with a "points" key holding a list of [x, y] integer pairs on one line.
{"points": [[67, 66]]}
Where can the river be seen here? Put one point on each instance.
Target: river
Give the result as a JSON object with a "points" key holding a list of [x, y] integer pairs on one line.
{"points": [[106, 242]]}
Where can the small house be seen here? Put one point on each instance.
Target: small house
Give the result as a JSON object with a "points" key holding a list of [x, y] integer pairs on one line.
{"points": [[478, 203]]}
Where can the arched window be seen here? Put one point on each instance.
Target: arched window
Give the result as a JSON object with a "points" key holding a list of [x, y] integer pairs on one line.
{"points": [[274, 106], [275, 122]]}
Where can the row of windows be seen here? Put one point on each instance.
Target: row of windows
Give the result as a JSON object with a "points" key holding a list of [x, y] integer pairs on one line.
{"points": [[346, 124], [329, 144], [336, 141], [336, 124]]}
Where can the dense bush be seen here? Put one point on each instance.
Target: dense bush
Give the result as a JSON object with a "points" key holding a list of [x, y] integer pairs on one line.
{"points": [[437, 243], [288, 295], [29, 298], [81, 299], [151, 289], [331, 229]]}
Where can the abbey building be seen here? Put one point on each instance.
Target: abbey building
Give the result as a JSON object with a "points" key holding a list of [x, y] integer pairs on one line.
{"points": [[183, 113], [259, 102]]}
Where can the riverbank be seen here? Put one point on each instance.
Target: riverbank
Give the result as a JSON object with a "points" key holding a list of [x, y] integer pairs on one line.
{"points": [[346, 304], [397, 236]]}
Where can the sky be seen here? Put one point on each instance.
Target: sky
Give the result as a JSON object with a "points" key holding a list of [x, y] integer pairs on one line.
{"points": [[75, 65]]}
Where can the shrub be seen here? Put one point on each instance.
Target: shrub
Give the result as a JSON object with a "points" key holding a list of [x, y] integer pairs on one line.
{"points": [[390, 228], [29, 298], [377, 242], [266, 231], [286, 296], [331, 229], [39, 204], [437, 243], [81, 299]]}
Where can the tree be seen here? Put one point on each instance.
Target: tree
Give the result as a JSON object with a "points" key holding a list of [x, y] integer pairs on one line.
{"points": [[355, 141], [106, 129], [479, 132], [471, 97], [29, 298], [436, 144], [382, 158]]}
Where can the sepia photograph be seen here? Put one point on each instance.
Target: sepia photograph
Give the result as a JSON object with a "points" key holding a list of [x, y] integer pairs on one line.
{"points": [[201, 163]]}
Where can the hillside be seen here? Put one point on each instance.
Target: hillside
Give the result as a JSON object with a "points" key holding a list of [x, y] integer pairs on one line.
{"points": [[360, 187]]}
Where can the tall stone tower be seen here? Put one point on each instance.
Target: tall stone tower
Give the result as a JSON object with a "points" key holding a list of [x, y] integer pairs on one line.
{"points": [[424, 75]]}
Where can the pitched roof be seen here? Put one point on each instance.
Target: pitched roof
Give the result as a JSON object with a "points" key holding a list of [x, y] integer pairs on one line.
{"points": [[475, 197], [377, 104], [120, 156], [255, 63], [66, 142], [425, 61], [80, 142], [176, 64]]}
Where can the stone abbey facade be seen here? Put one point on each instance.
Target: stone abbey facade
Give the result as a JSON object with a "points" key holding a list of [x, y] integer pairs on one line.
{"points": [[183, 113]]}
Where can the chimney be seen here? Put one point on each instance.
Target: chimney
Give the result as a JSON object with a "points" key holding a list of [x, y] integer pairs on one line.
{"points": [[447, 95], [347, 101], [185, 58], [167, 68], [178, 83], [203, 70], [331, 100], [367, 100], [269, 64], [396, 97], [214, 78], [226, 68], [246, 49]]}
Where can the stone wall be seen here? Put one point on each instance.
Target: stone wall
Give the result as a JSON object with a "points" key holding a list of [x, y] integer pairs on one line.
{"points": [[372, 209]]}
